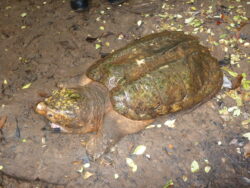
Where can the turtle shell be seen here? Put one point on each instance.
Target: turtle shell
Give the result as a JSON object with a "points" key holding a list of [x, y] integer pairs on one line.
{"points": [[158, 74]]}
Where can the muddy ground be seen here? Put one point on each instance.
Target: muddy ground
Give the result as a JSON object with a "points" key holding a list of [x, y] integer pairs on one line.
{"points": [[43, 42]]}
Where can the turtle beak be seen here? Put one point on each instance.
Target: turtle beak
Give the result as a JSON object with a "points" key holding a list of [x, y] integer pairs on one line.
{"points": [[41, 108]]}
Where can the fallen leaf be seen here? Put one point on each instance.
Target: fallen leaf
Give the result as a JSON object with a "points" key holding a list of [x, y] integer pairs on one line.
{"points": [[2, 121], [26, 86], [232, 73], [116, 176], [87, 175], [107, 44], [150, 126], [131, 164], [86, 165], [148, 156], [185, 178], [97, 46], [139, 150], [195, 166], [223, 111], [139, 22], [222, 36], [24, 14], [169, 184], [23, 27], [158, 125], [80, 170], [189, 20], [170, 123], [235, 109], [207, 169]]}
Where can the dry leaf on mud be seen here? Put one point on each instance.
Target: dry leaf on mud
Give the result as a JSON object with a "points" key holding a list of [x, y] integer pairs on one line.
{"points": [[169, 184], [235, 110], [247, 150], [87, 175], [139, 22], [97, 46], [26, 86], [24, 14], [195, 166], [184, 178], [116, 176], [5, 82], [207, 169], [139, 150], [131, 164], [189, 20], [86, 165], [232, 73], [2, 121], [80, 170], [170, 123], [150, 126]]}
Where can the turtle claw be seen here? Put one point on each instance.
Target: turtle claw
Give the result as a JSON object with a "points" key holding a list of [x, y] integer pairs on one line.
{"points": [[95, 148]]}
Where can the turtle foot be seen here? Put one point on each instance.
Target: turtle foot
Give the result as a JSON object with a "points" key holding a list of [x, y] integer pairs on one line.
{"points": [[100, 145], [96, 148]]}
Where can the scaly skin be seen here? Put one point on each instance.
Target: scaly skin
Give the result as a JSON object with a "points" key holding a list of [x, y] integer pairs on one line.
{"points": [[122, 93]]}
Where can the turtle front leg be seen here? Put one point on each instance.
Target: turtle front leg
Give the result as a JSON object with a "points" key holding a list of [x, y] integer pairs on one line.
{"points": [[114, 128], [75, 82]]}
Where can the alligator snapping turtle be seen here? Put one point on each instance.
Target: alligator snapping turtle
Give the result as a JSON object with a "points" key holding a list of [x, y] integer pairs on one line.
{"points": [[124, 92]]}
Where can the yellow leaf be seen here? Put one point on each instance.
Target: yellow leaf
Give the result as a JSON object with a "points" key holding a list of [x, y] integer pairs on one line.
{"points": [[139, 150], [207, 169], [234, 74], [87, 175], [24, 14], [26, 86], [131, 164], [97, 46], [195, 166]]}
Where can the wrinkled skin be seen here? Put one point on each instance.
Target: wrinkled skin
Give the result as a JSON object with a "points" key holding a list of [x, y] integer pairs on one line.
{"points": [[124, 92]]}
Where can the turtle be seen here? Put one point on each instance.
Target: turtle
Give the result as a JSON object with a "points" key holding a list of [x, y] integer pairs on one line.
{"points": [[122, 93]]}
